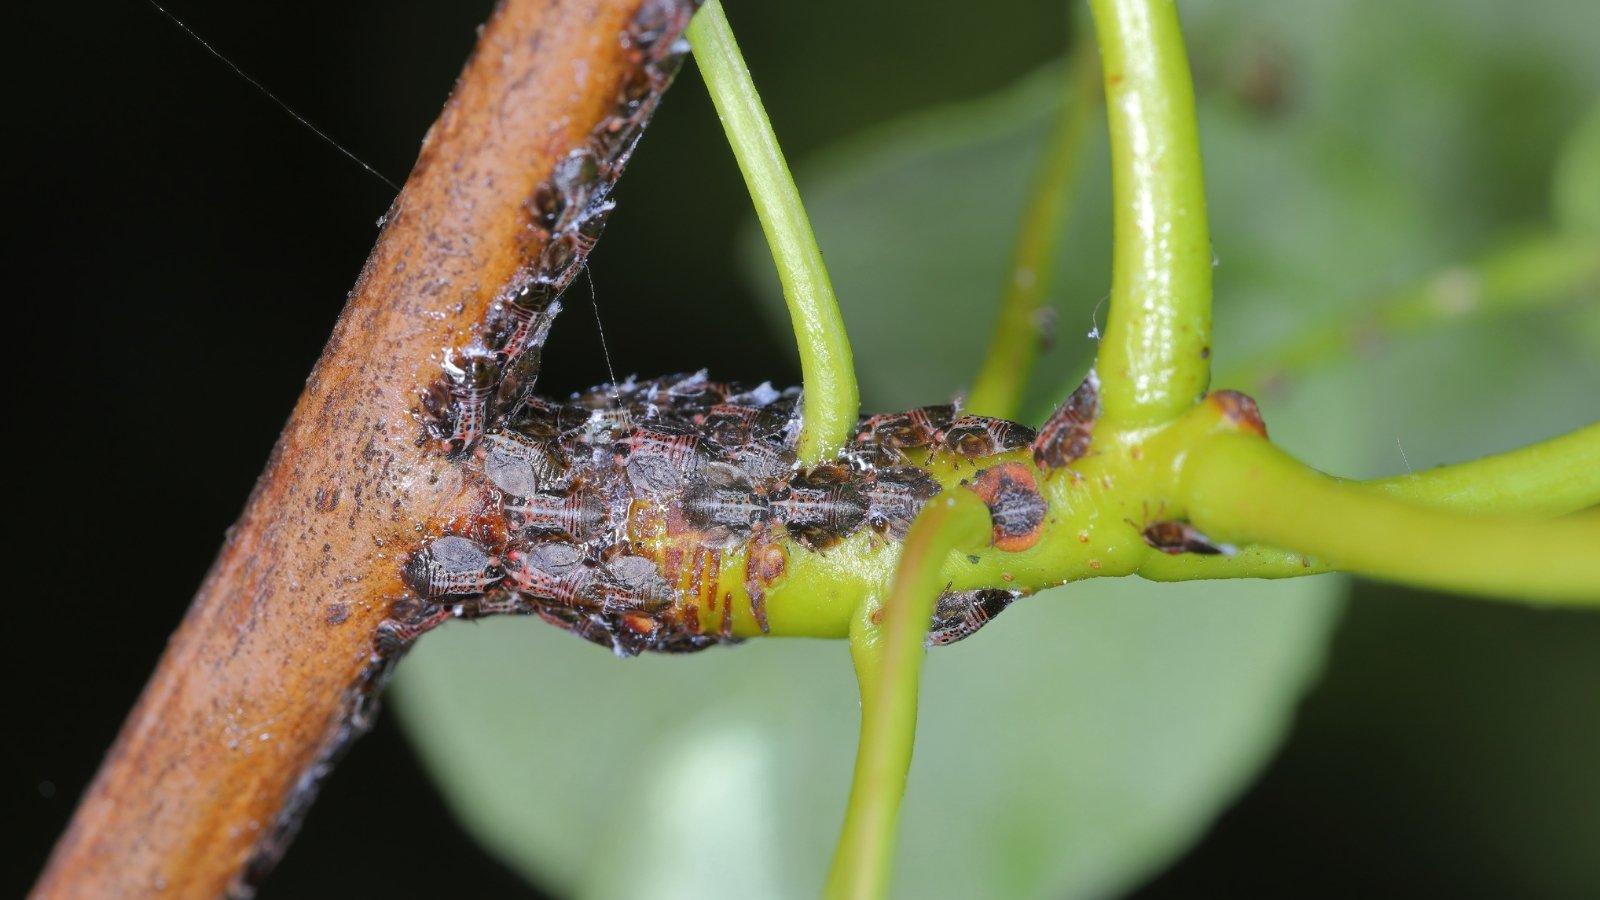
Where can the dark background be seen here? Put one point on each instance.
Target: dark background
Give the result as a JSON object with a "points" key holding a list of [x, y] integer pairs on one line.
{"points": [[179, 248]]}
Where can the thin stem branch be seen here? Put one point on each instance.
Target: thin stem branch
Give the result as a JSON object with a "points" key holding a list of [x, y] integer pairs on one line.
{"points": [[886, 644], [1242, 488], [1550, 478], [826, 366], [1154, 358], [1014, 346]]}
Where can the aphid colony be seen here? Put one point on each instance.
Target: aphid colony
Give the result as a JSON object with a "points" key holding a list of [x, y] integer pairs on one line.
{"points": [[612, 515], [609, 514], [566, 214]]}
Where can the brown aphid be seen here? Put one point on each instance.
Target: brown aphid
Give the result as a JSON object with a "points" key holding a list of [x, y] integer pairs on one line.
{"points": [[778, 422], [471, 379], [554, 572], [730, 426], [450, 566], [633, 584], [895, 496], [820, 506], [659, 461], [1015, 506], [1065, 436], [761, 461], [973, 437], [895, 432], [1181, 537], [722, 504], [521, 467], [1239, 409], [959, 614], [579, 515], [522, 318]]}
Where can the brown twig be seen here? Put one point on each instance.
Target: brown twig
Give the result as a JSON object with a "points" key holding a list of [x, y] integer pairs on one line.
{"points": [[266, 677]]}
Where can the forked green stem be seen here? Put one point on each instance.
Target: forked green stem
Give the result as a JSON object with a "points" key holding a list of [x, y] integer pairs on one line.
{"points": [[1014, 346], [886, 644], [1550, 478], [1242, 488], [827, 370], [1153, 362]]}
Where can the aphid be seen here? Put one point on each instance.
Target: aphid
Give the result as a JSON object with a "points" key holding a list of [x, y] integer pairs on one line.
{"points": [[634, 585], [778, 423], [647, 34], [972, 437], [565, 197], [896, 432], [1240, 409], [553, 571], [820, 506], [761, 461], [1066, 434], [729, 426], [1015, 506], [471, 382], [1181, 537], [521, 320], [723, 506], [450, 565], [659, 461], [895, 496], [521, 467], [579, 515], [959, 614]]}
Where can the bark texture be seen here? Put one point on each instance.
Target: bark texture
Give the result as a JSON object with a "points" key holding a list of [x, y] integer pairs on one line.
{"points": [[267, 675]]}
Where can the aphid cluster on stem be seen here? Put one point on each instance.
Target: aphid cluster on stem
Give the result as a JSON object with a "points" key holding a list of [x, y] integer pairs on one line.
{"points": [[480, 383], [614, 514], [622, 513]]}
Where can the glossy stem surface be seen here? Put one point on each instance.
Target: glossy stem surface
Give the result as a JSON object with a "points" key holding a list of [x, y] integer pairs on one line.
{"points": [[1154, 358], [827, 369], [886, 644]]}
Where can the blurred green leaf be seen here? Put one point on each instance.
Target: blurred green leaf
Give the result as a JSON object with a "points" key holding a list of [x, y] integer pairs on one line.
{"points": [[1576, 192], [1088, 736]]}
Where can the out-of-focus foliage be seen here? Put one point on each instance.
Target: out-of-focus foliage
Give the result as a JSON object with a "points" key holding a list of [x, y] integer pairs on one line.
{"points": [[1090, 735]]}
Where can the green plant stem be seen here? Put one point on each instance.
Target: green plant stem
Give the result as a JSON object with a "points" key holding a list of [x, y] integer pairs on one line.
{"points": [[888, 662], [1015, 343], [1153, 360], [1242, 488], [1527, 273], [827, 370], [1550, 478]]}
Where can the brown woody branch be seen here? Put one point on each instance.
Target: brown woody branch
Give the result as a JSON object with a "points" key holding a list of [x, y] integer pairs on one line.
{"points": [[264, 679]]}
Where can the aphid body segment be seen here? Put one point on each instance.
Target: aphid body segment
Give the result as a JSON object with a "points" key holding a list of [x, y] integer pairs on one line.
{"points": [[1066, 435], [450, 566], [974, 437], [820, 506], [959, 614], [1181, 537]]}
